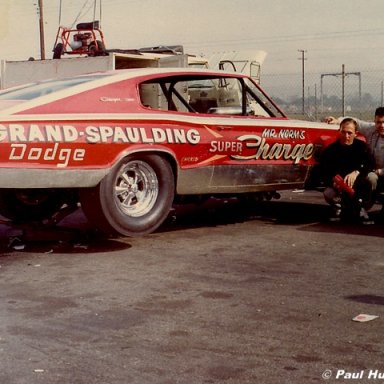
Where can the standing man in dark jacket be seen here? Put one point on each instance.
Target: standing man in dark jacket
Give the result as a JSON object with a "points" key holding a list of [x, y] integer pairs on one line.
{"points": [[350, 159]]}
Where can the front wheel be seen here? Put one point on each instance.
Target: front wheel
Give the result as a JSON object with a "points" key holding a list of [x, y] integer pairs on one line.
{"points": [[133, 199], [58, 51]]}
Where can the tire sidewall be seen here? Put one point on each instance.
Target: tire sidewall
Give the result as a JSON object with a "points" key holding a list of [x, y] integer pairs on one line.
{"points": [[58, 51], [131, 226]]}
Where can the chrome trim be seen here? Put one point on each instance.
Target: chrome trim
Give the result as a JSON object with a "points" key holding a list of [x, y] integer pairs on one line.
{"points": [[189, 181], [48, 178], [240, 179]]}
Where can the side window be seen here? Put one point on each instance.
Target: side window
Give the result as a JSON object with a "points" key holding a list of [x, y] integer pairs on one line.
{"points": [[218, 95], [259, 103], [202, 94], [206, 94], [164, 95], [149, 95]]}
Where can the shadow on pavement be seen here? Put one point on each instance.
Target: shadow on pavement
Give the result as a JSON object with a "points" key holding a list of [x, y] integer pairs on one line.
{"points": [[367, 299], [215, 212], [75, 234], [309, 216], [350, 228], [55, 239]]}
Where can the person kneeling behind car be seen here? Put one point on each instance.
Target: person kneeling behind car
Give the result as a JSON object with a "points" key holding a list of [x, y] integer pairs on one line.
{"points": [[345, 164], [374, 135]]}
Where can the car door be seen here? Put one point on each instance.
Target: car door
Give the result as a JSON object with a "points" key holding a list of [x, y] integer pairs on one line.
{"points": [[254, 146], [244, 143]]}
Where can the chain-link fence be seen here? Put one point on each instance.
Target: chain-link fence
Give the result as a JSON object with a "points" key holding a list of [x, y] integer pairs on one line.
{"points": [[343, 92]]}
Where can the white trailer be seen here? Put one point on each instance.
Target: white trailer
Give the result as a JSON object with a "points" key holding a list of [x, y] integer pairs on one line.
{"points": [[13, 73]]}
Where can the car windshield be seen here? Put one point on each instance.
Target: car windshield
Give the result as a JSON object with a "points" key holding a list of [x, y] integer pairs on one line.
{"points": [[31, 91]]}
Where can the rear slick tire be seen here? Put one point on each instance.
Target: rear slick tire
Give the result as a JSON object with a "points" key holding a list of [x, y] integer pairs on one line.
{"points": [[27, 205], [133, 199]]}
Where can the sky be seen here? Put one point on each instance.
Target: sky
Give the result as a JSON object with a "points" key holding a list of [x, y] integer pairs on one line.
{"points": [[332, 32]]}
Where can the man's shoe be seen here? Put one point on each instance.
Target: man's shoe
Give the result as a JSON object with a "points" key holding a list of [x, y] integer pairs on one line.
{"points": [[364, 217], [336, 213]]}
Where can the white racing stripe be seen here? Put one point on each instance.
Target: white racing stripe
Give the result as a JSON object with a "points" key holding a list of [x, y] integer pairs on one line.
{"points": [[170, 117]]}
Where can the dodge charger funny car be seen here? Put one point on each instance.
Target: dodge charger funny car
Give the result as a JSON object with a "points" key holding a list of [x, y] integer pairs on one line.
{"points": [[128, 144]]}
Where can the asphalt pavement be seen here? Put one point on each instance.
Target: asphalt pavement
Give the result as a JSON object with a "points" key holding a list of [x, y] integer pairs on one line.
{"points": [[222, 293]]}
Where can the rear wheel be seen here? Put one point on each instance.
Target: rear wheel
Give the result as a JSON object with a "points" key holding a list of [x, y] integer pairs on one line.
{"points": [[96, 49], [29, 204], [133, 199]]}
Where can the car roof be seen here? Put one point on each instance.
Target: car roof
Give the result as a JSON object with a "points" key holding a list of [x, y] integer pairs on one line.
{"points": [[139, 72], [99, 79]]}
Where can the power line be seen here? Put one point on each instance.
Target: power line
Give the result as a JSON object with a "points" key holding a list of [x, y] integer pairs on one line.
{"points": [[295, 38]]}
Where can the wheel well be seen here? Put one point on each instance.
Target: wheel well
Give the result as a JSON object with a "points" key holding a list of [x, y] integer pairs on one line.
{"points": [[165, 155], [172, 161]]}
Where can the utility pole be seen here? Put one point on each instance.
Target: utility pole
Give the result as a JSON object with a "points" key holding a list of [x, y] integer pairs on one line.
{"points": [[343, 89], [343, 75], [303, 78], [315, 101], [41, 24]]}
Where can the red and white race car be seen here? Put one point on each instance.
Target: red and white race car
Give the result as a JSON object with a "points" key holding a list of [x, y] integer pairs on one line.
{"points": [[126, 144]]}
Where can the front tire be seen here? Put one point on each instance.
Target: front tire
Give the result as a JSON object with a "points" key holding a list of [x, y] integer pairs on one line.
{"points": [[58, 51], [133, 199]]}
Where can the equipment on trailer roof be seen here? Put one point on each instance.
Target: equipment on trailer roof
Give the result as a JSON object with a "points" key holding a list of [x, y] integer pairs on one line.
{"points": [[85, 39]]}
